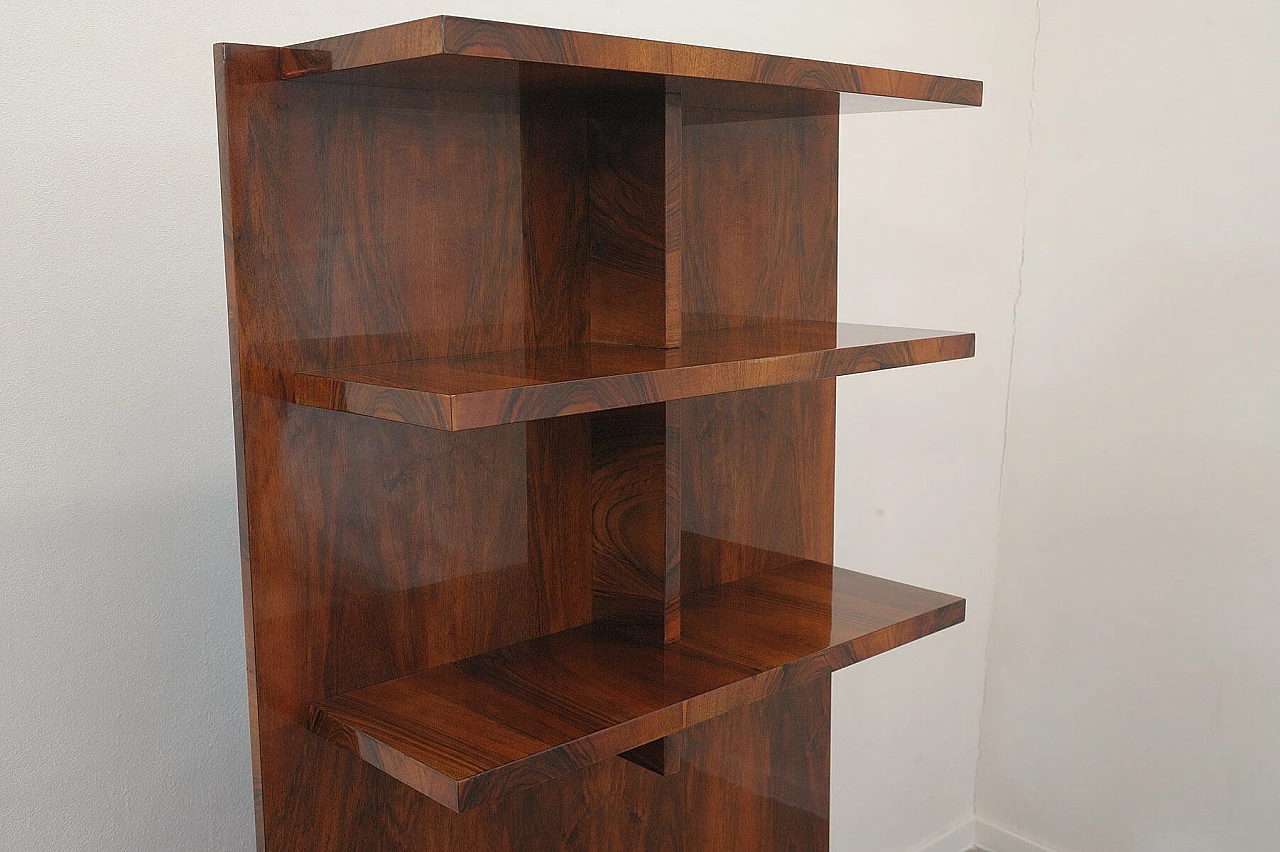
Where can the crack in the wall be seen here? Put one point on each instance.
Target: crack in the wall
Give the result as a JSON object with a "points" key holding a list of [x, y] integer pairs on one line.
{"points": [[1008, 391]]}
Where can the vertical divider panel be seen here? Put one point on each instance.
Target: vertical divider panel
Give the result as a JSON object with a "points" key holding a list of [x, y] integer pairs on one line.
{"points": [[671, 516], [553, 159], [559, 485], [634, 214], [635, 541], [673, 209], [760, 205]]}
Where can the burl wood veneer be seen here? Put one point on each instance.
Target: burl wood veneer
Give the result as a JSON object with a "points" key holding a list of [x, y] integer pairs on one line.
{"points": [[533, 349]]}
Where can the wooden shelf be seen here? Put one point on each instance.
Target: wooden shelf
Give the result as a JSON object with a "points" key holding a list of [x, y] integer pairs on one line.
{"points": [[468, 732], [470, 391], [432, 44]]}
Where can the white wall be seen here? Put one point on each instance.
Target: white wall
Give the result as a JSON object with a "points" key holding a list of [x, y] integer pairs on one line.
{"points": [[121, 649], [931, 211], [1134, 689]]}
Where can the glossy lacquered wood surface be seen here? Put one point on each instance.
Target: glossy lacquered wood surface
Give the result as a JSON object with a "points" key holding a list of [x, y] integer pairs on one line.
{"points": [[635, 511], [474, 730], [447, 35], [752, 778], [488, 389], [461, 207], [370, 224]]}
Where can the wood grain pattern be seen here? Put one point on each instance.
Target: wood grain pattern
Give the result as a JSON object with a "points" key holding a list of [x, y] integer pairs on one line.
{"points": [[760, 242], [411, 219], [673, 214], [634, 285], [554, 160], [365, 224], [466, 37], [472, 391], [635, 462], [777, 441], [559, 478], [760, 211], [467, 733]]}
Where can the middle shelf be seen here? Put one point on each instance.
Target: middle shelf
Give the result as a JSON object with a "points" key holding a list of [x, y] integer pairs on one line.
{"points": [[492, 388], [468, 732]]}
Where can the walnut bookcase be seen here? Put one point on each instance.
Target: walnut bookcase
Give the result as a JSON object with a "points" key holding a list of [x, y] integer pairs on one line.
{"points": [[534, 344]]}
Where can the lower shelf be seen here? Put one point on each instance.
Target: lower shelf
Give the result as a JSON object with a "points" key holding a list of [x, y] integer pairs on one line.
{"points": [[471, 731]]}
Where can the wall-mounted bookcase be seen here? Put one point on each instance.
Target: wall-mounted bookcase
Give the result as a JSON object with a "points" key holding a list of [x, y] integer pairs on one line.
{"points": [[534, 345]]}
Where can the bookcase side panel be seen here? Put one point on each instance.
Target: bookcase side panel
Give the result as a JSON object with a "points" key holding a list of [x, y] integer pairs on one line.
{"points": [[368, 224]]}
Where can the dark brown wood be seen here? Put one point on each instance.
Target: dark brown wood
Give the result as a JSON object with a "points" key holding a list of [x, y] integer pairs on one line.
{"points": [[635, 285], [420, 229], [673, 214], [753, 778], [662, 756], [296, 62], [370, 553], [554, 158], [635, 467], [776, 442], [760, 212], [481, 728], [487, 389], [760, 242], [558, 464], [443, 35]]}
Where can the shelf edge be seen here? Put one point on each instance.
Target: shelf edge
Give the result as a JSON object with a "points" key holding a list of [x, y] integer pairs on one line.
{"points": [[332, 720], [518, 404], [458, 36]]}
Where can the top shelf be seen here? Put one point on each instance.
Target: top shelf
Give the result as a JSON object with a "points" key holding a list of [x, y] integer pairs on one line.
{"points": [[445, 36], [493, 388]]}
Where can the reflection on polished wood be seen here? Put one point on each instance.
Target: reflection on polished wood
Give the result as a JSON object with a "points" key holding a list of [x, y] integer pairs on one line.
{"points": [[446, 36], [604, 270], [488, 389], [635, 528], [474, 730]]}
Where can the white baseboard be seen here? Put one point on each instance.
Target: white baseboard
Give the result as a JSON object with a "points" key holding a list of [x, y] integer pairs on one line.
{"points": [[958, 839], [989, 837], [978, 835]]}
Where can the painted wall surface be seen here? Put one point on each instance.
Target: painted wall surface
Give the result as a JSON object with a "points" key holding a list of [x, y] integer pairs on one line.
{"points": [[1134, 688], [930, 223], [122, 680]]}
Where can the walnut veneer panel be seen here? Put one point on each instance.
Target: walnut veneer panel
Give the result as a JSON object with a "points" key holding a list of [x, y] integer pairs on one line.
{"points": [[760, 204], [635, 521]]}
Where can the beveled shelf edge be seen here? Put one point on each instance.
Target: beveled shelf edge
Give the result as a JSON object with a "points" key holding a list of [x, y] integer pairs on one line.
{"points": [[446, 34], [332, 720], [520, 403], [329, 721]]}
